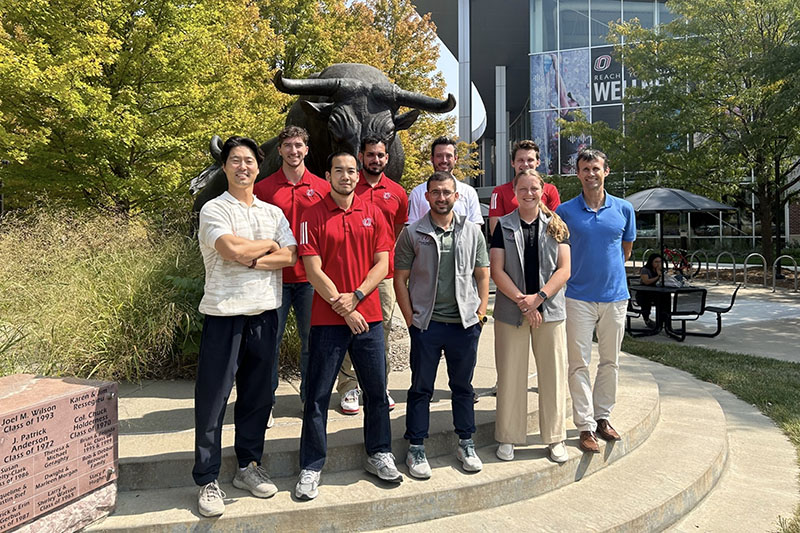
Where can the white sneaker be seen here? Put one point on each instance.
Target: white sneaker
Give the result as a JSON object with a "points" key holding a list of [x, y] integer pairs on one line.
{"points": [[271, 421], [349, 403], [467, 455], [307, 485], [390, 400], [558, 452], [417, 463], [211, 500], [505, 452], [255, 479], [381, 464]]}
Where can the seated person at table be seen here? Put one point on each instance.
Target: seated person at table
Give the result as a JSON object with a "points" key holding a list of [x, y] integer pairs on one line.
{"points": [[651, 274]]}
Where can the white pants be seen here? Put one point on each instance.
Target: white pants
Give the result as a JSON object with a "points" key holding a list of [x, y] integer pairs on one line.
{"points": [[589, 405]]}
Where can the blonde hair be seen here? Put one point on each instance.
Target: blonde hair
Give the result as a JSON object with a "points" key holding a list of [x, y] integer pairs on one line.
{"points": [[556, 228]]}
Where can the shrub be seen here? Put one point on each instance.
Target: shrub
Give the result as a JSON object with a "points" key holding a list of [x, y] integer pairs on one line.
{"points": [[93, 295]]}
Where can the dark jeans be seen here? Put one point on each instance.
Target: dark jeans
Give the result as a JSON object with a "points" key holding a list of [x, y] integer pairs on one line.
{"points": [[232, 348], [328, 345], [299, 296], [460, 347]]}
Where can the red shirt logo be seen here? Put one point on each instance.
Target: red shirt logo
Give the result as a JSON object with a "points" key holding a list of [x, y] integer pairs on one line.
{"points": [[387, 195], [310, 192], [367, 222]]}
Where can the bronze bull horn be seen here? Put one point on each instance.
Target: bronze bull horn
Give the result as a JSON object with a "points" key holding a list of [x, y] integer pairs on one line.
{"points": [[422, 102], [215, 147], [311, 86]]}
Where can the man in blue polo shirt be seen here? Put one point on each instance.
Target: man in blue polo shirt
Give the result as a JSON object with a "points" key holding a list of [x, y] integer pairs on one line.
{"points": [[602, 229]]}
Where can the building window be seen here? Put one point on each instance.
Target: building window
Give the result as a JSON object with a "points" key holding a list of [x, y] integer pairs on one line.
{"points": [[573, 23], [603, 12], [543, 25]]}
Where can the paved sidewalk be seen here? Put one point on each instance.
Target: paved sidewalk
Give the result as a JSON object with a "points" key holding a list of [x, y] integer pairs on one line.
{"points": [[761, 323]]}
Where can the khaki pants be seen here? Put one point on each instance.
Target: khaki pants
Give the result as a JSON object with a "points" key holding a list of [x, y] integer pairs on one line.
{"points": [[347, 377], [590, 404], [511, 358]]}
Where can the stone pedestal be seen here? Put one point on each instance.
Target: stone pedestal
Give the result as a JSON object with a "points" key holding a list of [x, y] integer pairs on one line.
{"points": [[57, 448]]}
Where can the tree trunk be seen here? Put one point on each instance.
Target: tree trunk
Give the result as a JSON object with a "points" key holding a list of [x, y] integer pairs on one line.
{"points": [[765, 205]]}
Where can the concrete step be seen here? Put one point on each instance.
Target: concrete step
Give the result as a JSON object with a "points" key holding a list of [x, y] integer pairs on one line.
{"points": [[646, 490], [154, 456], [759, 482], [353, 500]]}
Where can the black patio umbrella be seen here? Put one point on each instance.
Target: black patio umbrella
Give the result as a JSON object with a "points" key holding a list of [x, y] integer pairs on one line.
{"points": [[664, 200]]}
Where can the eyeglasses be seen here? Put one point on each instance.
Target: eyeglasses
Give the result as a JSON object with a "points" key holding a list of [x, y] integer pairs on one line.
{"points": [[443, 193]]}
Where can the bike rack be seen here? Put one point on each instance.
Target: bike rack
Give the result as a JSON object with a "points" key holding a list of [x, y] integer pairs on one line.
{"points": [[705, 255], [763, 261], [775, 271], [733, 259], [645, 254]]}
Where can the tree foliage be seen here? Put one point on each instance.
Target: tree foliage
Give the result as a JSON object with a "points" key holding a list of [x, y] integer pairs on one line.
{"points": [[720, 101], [114, 101]]}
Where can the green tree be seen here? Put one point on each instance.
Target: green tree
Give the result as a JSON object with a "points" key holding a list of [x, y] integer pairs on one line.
{"points": [[720, 102], [115, 101]]}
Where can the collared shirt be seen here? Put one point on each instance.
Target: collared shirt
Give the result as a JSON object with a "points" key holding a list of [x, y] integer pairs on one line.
{"points": [[445, 306], [598, 262], [467, 204], [391, 198], [504, 200], [293, 199], [346, 242], [230, 287]]}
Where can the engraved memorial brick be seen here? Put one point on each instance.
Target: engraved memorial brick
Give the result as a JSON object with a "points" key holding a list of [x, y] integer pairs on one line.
{"points": [[58, 443]]}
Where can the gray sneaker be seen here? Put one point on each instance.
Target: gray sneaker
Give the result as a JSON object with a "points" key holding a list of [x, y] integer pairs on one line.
{"points": [[382, 465], [417, 462], [211, 500], [255, 479], [468, 457], [306, 488]]}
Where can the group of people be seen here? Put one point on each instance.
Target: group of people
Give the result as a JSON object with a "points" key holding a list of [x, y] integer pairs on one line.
{"points": [[364, 247]]}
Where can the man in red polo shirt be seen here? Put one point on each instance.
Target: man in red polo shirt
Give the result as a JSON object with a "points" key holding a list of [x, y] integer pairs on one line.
{"points": [[345, 248], [293, 189], [389, 196], [524, 155]]}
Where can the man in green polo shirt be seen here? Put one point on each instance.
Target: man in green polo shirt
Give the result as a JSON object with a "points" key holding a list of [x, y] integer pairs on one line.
{"points": [[442, 286]]}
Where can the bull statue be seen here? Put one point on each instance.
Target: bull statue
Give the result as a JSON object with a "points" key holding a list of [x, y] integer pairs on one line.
{"points": [[338, 107]]}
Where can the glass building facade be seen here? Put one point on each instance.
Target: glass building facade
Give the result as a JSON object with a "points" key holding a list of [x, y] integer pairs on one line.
{"points": [[572, 69]]}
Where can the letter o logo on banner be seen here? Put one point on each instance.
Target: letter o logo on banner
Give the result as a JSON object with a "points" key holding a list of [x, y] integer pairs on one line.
{"points": [[602, 63]]}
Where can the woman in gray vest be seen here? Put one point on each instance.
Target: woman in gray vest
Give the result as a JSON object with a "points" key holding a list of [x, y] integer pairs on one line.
{"points": [[530, 264]]}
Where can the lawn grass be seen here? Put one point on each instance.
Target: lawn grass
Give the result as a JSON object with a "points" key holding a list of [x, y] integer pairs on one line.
{"points": [[771, 385]]}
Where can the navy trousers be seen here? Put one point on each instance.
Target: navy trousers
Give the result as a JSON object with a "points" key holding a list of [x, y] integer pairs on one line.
{"points": [[328, 345], [240, 348], [460, 347]]}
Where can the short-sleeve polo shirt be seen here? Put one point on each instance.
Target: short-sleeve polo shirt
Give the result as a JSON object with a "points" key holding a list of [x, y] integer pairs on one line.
{"points": [[598, 262], [504, 201], [293, 199], [230, 287], [391, 198], [346, 242]]}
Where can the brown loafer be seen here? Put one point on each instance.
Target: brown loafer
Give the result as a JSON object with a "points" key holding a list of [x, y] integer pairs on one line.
{"points": [[588, 442], [606, 432]]}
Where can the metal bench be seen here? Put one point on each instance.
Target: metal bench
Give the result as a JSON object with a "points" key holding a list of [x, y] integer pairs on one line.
{"points": [[688, 304], [719, 311]]}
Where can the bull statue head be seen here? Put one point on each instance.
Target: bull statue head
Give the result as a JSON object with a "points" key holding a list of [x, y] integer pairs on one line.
{"points": [[339, 107]]}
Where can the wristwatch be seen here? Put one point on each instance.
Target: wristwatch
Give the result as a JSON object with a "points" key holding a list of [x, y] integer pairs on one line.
{"points": [[359, 295], [543, 296]]}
